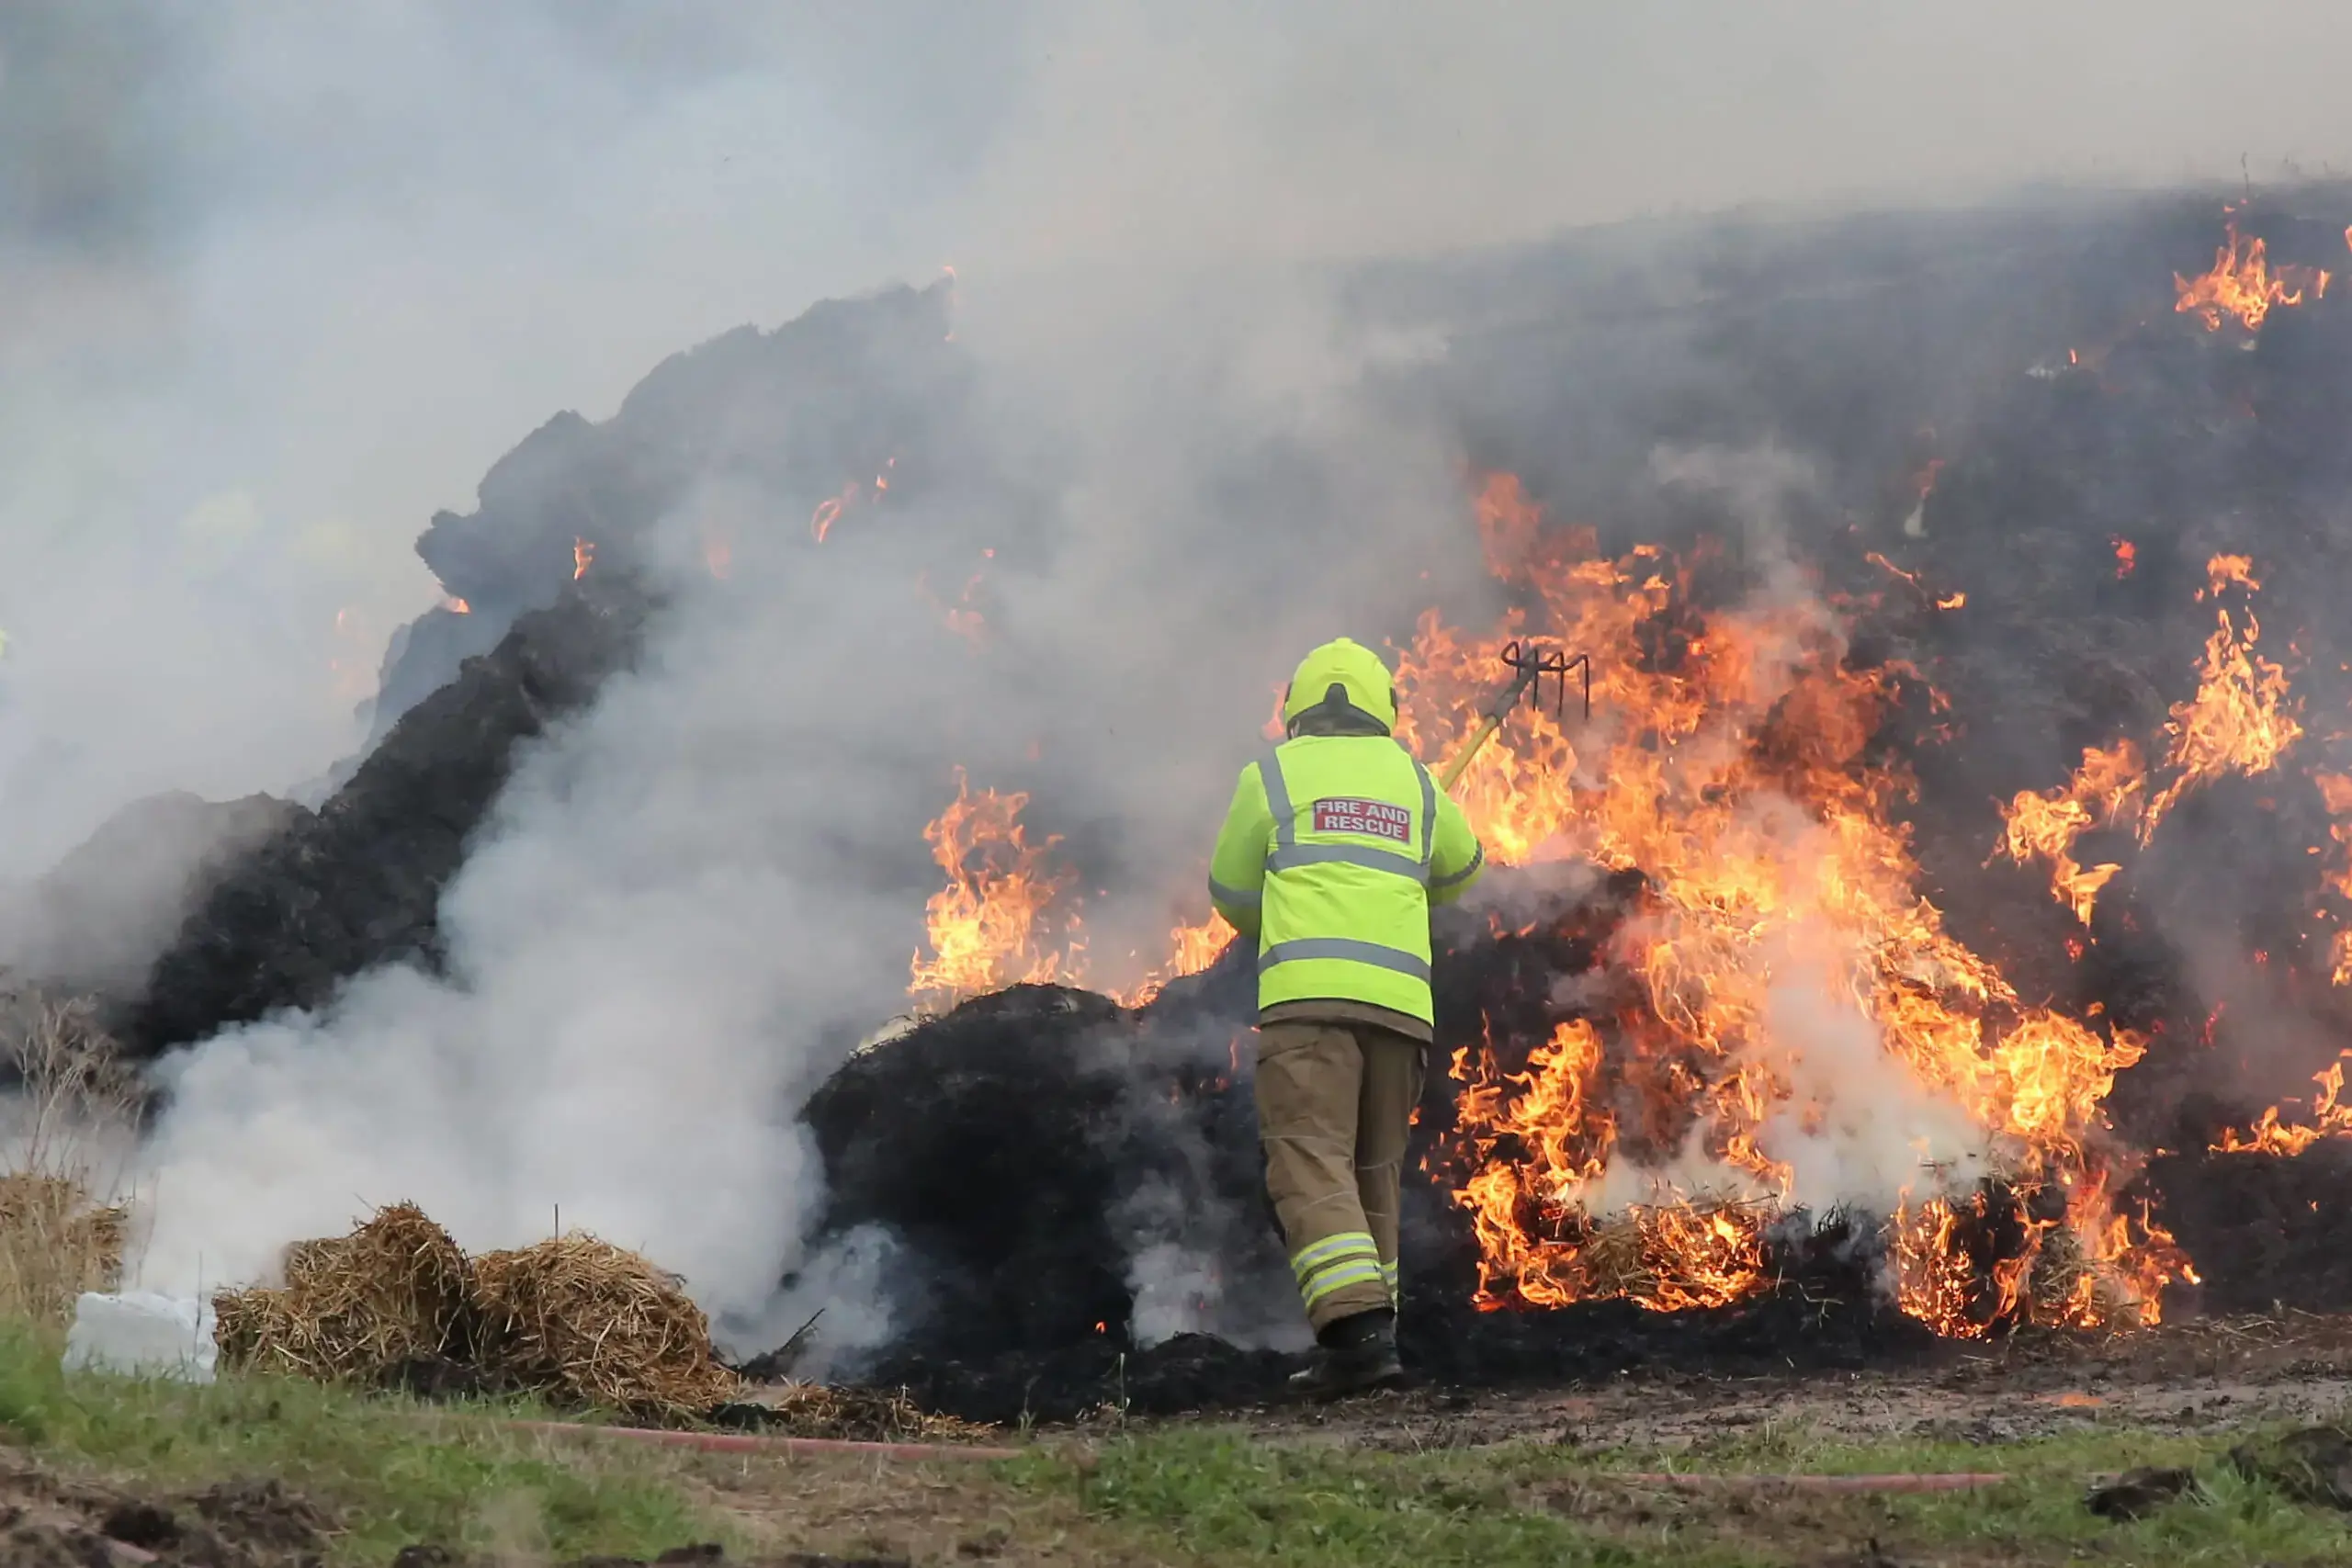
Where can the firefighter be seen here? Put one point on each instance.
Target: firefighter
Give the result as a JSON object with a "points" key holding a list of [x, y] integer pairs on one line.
{"points": [[1335, 844]]}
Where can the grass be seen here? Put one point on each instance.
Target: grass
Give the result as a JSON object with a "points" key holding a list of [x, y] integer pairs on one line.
{"points": [[1228, 1498], [393, 1471]]}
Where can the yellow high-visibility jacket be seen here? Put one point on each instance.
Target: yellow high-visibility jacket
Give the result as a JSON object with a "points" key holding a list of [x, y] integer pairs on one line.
{"points": [[1333, 850]]}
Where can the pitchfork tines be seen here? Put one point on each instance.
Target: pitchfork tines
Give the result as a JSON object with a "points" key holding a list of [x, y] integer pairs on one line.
{"points": [[1531, 663]]}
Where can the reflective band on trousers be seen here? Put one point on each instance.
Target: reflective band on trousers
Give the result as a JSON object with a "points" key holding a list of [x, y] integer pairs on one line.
{"points": [[1348, 948], [1336, 1262]]}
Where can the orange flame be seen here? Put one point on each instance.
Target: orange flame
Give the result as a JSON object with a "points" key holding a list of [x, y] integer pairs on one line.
{"points": [[583, 555], [2240, 285], [2242, 718], [1635, 1155], [2271, 1135], [2127, 556], [1191, 949], [456, 605], [2105, 791], [1005, 917], [829, 512], [987, 928]]}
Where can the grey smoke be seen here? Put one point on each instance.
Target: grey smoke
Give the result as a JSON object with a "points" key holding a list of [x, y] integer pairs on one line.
{"points": [[282, 282]]}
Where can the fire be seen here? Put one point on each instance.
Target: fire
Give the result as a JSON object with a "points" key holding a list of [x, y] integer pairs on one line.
{"points": [[2242, 283], [2105, 791], [583, 555], [456, 605], [962, 617], [1642, 1153], [987, 928], [829, 512], [1191, 949], [2271, 1134], [2127, 556], [1508, 522], [1006, 916], [2242, 720]]}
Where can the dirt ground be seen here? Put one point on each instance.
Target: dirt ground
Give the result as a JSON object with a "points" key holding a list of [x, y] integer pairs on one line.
{"points": [[2213, 1374], [48, 1522]]}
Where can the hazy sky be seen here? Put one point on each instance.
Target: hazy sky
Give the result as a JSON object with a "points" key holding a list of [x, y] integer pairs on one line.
{"points": [[276, 280]]}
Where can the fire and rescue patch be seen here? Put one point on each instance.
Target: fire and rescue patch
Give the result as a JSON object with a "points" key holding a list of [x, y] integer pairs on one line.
{"points": [[1373, 817]]}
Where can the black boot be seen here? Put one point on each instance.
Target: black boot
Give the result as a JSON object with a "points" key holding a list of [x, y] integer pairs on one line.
{"points": [[1352, 1355]]}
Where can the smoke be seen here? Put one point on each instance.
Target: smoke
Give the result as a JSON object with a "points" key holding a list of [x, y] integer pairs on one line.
{"points": [[291, 281]]}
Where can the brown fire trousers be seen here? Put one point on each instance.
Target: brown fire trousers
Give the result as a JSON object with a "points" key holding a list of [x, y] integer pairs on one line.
{"points": [[1335, 1103]]}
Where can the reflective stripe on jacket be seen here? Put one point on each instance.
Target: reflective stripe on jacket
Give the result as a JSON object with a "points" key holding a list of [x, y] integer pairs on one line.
{"points": [[1333, 850]]}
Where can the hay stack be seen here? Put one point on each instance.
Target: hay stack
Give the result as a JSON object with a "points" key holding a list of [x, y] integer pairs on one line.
{"points": [[56, 1241], [358, 1308], [588, 1323]]}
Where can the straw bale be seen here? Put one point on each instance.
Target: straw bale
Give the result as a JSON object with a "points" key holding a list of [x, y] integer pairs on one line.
{"points": [[588, 1323], [355, 1308], [56, 1241]]}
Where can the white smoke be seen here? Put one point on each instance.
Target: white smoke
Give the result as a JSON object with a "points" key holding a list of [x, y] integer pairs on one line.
{"points": [[288, 280]]}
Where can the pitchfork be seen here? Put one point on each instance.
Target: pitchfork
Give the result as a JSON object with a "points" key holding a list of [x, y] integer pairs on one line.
{"points": [[1528, 665]]}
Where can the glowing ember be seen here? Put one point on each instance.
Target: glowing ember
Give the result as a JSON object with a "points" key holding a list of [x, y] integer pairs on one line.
{"points": [[583, 555], [454, 605], [1783, 956], [2127, 556], [829, 512], [2242, 284]]}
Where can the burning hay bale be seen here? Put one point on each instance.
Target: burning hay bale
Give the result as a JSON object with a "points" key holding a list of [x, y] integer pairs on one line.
{"points": [[588, 1323], [1697, 1254], [56, 1241], [355, 1309]]}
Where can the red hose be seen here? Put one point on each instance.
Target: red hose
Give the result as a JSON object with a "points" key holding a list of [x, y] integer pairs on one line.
{"points": [[747, 1442], [1837, 1483]]}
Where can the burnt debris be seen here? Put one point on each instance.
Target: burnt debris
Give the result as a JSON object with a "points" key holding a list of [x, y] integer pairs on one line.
{"points": [[358, 882]]}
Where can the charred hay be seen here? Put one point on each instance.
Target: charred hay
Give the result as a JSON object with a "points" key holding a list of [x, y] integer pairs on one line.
{"points": [[358, 882], [849, 389]]}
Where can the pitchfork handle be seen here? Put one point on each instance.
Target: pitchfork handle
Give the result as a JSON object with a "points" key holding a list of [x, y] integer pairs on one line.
{"points": [[1453, 771], [1486, 726]]}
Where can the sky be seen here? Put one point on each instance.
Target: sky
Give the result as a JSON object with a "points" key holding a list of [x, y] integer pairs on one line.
{"points": [[282, 280]]}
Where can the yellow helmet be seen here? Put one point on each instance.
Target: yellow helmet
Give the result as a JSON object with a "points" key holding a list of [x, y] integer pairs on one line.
{"points": [[1343, 679]]}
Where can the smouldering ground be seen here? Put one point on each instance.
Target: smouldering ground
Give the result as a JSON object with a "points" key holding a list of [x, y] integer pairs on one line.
{"points": [[2207, 1375]]}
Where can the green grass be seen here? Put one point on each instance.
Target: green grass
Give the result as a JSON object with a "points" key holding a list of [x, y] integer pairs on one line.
{"points": [[393, 1471], [1232, 1499]]}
